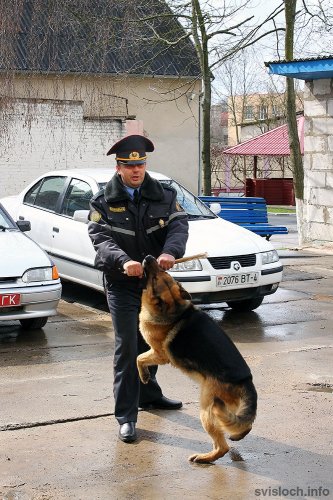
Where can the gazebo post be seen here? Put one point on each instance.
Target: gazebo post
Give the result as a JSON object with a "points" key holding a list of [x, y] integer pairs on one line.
{"points": [[228, 175], [255, 166]]}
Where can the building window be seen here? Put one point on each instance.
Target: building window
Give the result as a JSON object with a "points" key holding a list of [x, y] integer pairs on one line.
{"points": [[248, 112], [276, 111], [263, 112]]}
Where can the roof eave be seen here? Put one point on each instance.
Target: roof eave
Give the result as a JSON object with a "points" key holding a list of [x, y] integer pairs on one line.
{"points": [[268, 153], [87, 74], [303, 70]]}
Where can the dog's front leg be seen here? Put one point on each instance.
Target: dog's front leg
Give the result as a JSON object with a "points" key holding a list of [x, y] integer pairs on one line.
{"points": [[146, 359]]}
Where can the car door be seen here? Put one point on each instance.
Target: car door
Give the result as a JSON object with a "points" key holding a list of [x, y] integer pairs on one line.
{"points": [[72, 250], [39, 206]]}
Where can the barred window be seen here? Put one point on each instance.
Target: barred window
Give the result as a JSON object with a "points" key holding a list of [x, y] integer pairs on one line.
{"points": [[263, 112], [248, 113]]}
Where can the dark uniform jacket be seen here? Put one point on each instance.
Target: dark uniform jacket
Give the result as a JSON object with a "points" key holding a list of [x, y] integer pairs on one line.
{"points": [[122, 231]]}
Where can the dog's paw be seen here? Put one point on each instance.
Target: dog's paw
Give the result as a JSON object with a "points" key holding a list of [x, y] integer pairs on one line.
{"points": [[144, 375], [200, 458]]}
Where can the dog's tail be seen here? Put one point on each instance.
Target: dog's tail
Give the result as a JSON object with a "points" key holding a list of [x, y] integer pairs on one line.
{"points": [[238, 422]]}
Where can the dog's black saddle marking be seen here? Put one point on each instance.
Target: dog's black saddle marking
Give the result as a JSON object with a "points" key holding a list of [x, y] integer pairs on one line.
{"points": [[201, 345]]}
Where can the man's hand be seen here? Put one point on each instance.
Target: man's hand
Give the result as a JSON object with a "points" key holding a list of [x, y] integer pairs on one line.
{"points": [[133, 268], [166, 261]]}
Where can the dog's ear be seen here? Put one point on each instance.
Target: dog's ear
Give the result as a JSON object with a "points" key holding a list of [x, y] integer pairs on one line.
{"points": [[184, 293]]}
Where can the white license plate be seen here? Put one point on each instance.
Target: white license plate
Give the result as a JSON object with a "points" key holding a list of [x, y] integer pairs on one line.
{"points": [[237, 279]]}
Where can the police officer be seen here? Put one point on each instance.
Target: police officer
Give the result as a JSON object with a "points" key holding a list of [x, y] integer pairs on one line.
{"points": [[133, 217]]}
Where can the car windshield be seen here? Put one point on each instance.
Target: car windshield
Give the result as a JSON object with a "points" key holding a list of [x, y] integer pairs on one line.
{"points": [[5, 221], [195, 208]]}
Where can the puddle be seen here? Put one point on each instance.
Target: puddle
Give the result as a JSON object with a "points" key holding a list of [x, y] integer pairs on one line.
{"points": [[295, 274], [315, 387], [320, 387]]}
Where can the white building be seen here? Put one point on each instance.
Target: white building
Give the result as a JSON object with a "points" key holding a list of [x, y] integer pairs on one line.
{"points": [[77, 76], [317, 224]]}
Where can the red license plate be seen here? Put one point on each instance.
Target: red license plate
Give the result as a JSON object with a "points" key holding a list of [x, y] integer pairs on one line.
{"points": [[10, 299]]}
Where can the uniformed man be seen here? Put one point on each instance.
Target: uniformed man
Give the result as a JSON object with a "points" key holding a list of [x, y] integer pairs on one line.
{"points": [[133, 217]]}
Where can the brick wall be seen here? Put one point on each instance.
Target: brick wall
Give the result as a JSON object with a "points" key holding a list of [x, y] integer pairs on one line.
{"points": [[318, 162], [41, 135]]}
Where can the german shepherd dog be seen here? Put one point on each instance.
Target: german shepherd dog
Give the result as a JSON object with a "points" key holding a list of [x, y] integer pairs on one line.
{"points": [[183, 335]]}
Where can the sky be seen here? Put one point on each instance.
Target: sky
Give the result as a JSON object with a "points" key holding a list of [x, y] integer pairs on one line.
{"points": [[308, 43]]}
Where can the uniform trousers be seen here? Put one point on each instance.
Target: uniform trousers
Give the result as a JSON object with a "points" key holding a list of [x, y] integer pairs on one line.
{"points": [[124, 300]]}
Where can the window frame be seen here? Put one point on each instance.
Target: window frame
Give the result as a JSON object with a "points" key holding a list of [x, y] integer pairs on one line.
{"points": [[41, 183], [248, 116]]}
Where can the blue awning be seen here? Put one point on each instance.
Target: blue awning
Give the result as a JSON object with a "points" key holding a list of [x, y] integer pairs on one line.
{"points": [[303, 69]]}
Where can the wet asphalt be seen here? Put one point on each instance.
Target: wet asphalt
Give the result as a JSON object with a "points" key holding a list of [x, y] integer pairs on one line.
{"points": [[58, 435]]}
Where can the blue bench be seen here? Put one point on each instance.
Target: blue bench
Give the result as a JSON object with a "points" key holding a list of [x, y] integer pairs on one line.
{"points": [[250, 213]]}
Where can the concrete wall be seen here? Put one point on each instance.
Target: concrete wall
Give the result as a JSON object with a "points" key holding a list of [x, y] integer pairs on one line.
{"points": [[318, 162], [167, 107], [41, 135]]}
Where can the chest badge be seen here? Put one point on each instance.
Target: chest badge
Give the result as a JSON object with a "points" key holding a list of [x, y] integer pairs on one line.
{"points": [[117, 209], [161, 223], [95, 216]]}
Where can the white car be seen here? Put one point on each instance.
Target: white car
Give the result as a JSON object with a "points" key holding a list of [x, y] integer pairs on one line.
{"points": [[240, 269], [30, 287]]}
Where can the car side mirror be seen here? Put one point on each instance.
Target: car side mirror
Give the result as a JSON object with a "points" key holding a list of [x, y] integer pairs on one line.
{"points": [[24, 225], [81, 216], [215, 208]]}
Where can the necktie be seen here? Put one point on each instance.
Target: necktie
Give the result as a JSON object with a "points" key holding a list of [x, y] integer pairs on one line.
{"points": [[136, 196]]}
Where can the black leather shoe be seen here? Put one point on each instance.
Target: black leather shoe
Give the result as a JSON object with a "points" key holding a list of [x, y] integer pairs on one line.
{"points": [[127, 432], [162, 404]]}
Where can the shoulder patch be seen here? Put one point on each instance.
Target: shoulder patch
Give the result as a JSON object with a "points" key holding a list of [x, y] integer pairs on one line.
{"points": [[95, 216]]}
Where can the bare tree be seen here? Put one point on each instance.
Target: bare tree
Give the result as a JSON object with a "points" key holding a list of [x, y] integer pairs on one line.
{"points": [[218, 30], [295, 150]]}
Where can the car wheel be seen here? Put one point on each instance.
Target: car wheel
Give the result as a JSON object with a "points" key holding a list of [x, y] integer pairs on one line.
{"points": [[33, 323], [245, 305]]}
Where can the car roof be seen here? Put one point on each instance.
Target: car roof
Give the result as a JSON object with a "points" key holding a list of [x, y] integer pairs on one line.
{"points": [[99, 174]]}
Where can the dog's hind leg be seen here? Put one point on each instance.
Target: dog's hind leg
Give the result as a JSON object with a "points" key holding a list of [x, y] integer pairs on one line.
{"points": [[212, 426], [146, 359]]}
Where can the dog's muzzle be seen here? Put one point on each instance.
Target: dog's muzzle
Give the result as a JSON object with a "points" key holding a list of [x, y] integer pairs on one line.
{"points": [[150, 265], [148, 260]]}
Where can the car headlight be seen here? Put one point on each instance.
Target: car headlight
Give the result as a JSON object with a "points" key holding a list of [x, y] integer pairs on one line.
{"points": [[269, 257], [40, 274], [190, 265]]}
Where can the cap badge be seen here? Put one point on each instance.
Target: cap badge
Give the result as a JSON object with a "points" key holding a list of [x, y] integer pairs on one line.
{"points": [[134, 155], [161, 223]]}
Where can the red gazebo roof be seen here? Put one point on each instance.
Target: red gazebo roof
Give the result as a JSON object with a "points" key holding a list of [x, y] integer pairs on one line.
{"points": [[272, 143]]}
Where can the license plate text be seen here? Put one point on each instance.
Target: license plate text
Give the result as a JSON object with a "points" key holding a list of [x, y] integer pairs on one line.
{"points": [[10, 299], [237, 279]]}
